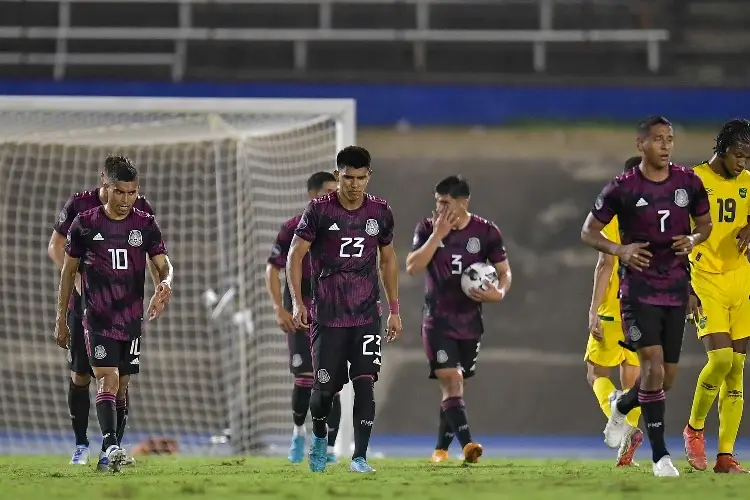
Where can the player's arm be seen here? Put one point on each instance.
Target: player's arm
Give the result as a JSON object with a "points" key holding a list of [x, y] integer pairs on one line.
{"points": [[276, 262], [154, 272], [74, 249], [389, 276], [56, 248], [273, 285], [426, 241], [304, 235], [602, 274], [164, 269], [700, 212]]}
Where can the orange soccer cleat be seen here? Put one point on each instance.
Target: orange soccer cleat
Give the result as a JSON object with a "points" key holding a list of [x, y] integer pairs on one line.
{"points": [[440, 456], [695, 448], [472, 452], [632, 441], [726, 464]]}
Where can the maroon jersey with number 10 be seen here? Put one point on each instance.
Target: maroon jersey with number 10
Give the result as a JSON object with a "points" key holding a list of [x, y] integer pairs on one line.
{"points": [[344, 256], [654, 212]]}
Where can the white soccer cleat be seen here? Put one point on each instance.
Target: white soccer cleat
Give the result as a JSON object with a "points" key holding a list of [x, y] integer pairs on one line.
{"points": [[127, 460], [617, 428], [80, 456], [665, 468]]}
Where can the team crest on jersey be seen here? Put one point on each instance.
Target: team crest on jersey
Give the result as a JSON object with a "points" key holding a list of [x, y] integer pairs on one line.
{"points": [[681, 198], [323, 376], [135, 238], [634, 334], [100, 352], [599, 203], [743, 192], [371, 227], [302, 222], [64, 215], [702, 322], [473, 246]]}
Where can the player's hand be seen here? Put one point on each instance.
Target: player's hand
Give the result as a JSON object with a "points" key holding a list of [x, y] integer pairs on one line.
{"points": [[156, 306], [299, 316], [443, 222], [595, 326], [62, 333], [393, 329], [635, 255], [490, 293], [743, 240], [285, 320], [163, 292], [695, 311], [683, 244]]}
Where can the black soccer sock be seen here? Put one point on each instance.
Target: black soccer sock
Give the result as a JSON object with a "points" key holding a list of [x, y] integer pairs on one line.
{"points": [[455, 414], [364, 413], [629, 400], [334, 420], [105, 411], [79, 405], [653, 404], [301, 399], [121, 406], [445, 433], [320, 408]]}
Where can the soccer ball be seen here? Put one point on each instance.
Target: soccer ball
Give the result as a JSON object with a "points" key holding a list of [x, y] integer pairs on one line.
{"points": [[476, 275]]}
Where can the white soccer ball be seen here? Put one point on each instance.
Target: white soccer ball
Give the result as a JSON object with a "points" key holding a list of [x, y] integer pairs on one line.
{"points": [[477, 275]]}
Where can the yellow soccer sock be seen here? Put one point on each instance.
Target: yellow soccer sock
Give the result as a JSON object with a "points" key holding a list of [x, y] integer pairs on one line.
{"points": [[731, 403], [710, 379], [634, 416], [603, 387]]}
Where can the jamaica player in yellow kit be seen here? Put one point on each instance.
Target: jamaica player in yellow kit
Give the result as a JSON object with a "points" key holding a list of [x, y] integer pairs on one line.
{"points": [[720, 304], [605, 330]]}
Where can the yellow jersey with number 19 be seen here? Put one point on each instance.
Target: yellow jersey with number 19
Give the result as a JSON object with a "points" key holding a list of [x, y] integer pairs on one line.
{"points": [[729, 200], [610, 306]]}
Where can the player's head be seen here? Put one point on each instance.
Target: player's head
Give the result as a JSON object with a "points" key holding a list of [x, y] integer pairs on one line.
{"points": [[656, 141], [353, 172], [733, 146], [452, 193], [320, 184], [121, 184], [631, 163]]}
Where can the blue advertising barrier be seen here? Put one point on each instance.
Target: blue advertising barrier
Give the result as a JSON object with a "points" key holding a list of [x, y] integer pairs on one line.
{"points": [[444, 105]]}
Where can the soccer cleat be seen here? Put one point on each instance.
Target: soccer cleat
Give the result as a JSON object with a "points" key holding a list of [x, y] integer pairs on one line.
{"points": [[331, 458], [80, 456], [297, 449], [726, 464], [665, 468], [112, 459], [359, 464], [440, 456], [633, 439], [616, 428], [472, 452], [129, 460], [318, 456], [695, 448]]}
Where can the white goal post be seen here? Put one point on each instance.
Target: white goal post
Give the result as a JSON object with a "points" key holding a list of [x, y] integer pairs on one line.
{"points": [[222, 175]]}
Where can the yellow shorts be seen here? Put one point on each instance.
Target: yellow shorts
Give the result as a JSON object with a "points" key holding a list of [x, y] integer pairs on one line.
{"points": [[725, 299], [608, 352]]}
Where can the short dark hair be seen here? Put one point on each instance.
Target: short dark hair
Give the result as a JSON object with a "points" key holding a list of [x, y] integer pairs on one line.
{"points": [[631, 163], [120, 169], [454, 186], [316, 180], [644, 126], [354, 157], [732, 133]]}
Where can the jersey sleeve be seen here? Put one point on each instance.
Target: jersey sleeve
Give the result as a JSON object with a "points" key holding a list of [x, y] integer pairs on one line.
{"points": [[421, 235], [281, 247], [308, 224], [156, 245], [75, 244], [146, 206], [607, 204], [699, 204], [496, 248], [65, 217], [385, 236]]}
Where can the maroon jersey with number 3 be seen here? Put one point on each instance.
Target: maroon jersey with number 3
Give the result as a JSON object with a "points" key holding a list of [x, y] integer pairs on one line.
{"points": [[447, 310], [344, 256], [654, 212], [79, 203], [113, 256]]}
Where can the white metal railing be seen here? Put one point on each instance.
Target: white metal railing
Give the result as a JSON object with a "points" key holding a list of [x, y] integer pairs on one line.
{"points": [[300, 37]]}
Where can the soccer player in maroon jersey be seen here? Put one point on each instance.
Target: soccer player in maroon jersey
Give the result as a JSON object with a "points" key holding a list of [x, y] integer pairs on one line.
{"points": [[655, 205], [109, 245], [78, 361], [445, 245], [345, 232], [300, 359]]}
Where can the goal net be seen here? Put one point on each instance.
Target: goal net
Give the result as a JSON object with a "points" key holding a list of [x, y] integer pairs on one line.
{"points": [[222, 176]]}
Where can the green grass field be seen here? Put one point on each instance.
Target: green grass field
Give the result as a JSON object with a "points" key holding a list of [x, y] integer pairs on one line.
{"points": [[44, 478]]}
